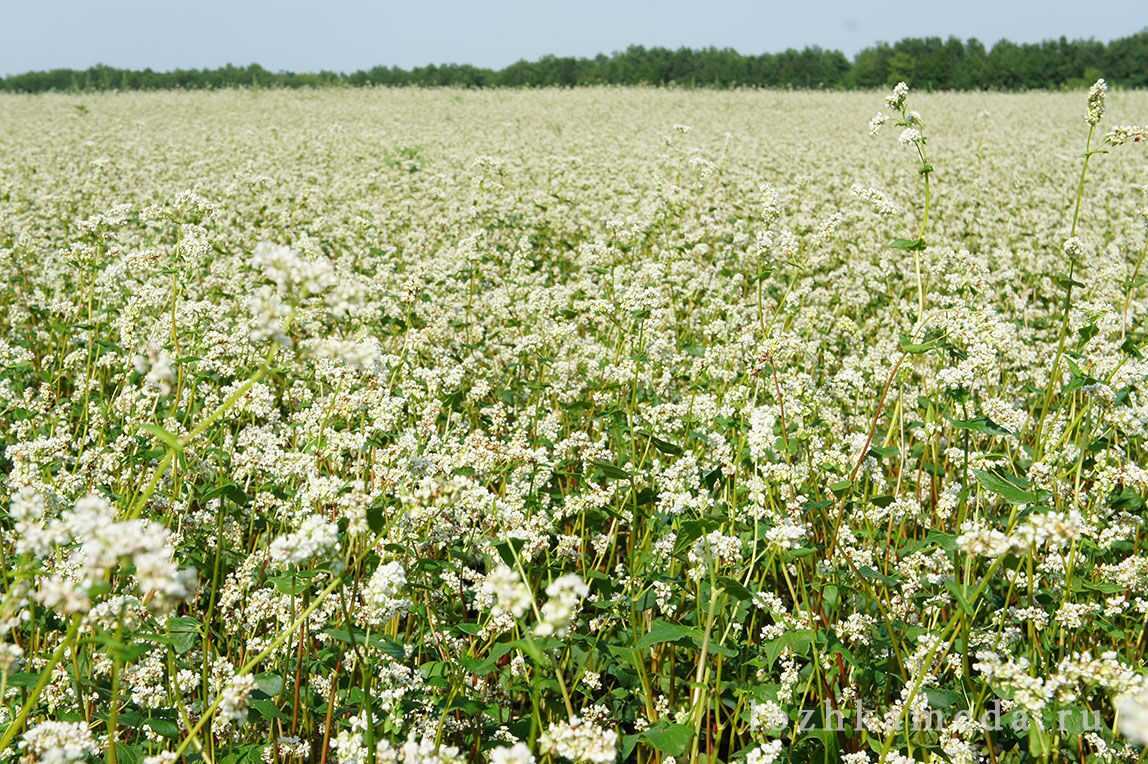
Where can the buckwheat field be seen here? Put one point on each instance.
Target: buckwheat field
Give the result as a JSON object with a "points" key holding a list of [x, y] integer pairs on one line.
{"points": [[362, 427]]}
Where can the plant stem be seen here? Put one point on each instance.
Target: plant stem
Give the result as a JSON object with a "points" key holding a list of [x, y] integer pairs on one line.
{"points": [[41, 682], [280, 638]]}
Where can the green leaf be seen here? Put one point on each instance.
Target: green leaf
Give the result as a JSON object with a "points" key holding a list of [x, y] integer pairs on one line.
{"points": [[629, 743], [243, 754], [960, 594], [875, 575], [293, 583], [733, 588], [946, 541], [1012, 488], [885, 452], [163, 727], [917, 348], [664, 631], [664, 446], [129, 754], [908, 245], [670, 739], [942, 698], [377, 516], [391, 647], [532, 649], [1074, 721], [267, 709], [228, 490], [508, 550], [798, 642], [269, 684], [981, 424], [841, 487], [1037, 743], [184, 633], [611, 470]]}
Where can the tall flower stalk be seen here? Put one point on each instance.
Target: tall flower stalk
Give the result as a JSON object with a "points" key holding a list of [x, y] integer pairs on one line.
{"points": [[1073, 250], [912, 134]]}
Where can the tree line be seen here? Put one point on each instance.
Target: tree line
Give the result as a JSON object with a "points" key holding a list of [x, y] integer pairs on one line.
{"points": [[924, 62]]}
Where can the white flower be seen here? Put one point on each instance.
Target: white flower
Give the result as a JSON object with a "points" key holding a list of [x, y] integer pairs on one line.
{"points": [[909, 136], [53, 742], [233, 707], [1096, 102], [1132, 713], [580, 741], [767, 716], [156, 366], [382, 594], [896, 99], [1122, 134], [518, 753], [565, 598], [1073, 247], [764, 754], [315, 537], [504, 589]]}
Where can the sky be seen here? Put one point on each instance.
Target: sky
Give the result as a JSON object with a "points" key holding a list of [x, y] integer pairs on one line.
{"points": [[355, 34]]}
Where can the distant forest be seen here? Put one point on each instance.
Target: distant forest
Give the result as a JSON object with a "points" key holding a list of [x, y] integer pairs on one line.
{"points": [[925, 63]]}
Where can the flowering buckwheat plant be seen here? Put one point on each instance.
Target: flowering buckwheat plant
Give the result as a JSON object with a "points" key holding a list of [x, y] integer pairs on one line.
{"points": [[594, 426]]}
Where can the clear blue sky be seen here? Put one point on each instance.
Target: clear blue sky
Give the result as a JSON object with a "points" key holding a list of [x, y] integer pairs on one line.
{"points": [[353, 34]]}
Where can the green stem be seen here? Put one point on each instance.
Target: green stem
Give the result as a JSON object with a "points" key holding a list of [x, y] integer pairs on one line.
{"points": [[1080, 184], [699, 674], [114, 710], [138, 505], [247, 667], [41, 682]]}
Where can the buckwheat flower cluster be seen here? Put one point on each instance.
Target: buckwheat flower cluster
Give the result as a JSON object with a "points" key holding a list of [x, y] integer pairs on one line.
{"points": [[503, 590], [518, 753], [877, 122], [418, 750], [1073, 247], [382, 596], [580, 741], [787, 534], [715, 548], [1122, 134], [291, 272], [363, 355], [764, 754], [316, 537], [767, 717], [909, 136], [978, 540], [896, 99], [163, 757], [53, 742], [100, 542], [1132, 710], [156, 366], [11, 656], [33, 535], [1096, 95], [1012, 675], [959, 739], [879, 201], [233, 707], [564, 599]]}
